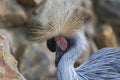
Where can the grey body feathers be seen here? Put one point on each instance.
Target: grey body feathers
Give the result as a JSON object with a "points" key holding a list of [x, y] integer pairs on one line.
{"points": [[102, 65]]}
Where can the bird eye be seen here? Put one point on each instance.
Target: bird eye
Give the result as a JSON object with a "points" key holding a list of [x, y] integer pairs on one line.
{"points": [[51, 45]]}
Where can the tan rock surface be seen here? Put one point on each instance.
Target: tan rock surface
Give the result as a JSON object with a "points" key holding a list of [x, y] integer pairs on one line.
{"points": [[31, 3], [8, 64], [11, 14]]}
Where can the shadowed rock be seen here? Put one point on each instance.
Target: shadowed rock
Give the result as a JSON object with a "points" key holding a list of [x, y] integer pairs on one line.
{"points": [[11, 14]]}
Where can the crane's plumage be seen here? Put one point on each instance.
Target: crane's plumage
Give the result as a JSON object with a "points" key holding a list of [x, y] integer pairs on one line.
{"points": [[60, 17], [102, 65], [65, 18]]}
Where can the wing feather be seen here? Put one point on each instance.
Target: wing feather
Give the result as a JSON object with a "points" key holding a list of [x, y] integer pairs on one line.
{"points": [[102, 65]]}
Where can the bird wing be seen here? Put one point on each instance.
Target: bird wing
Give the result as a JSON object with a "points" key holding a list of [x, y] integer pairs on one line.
{"points": [[102, 65]]}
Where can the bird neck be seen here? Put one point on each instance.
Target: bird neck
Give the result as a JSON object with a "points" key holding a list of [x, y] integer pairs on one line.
{"points": [[65, 69]]}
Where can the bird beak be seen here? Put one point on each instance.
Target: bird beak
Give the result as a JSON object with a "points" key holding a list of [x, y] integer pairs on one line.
{"points": [[58, 56], [61, 45], [58, 44]]}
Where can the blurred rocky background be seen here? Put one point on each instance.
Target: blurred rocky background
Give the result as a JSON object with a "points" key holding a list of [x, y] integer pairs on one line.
{"points": [[35, 62], [8, 64]]}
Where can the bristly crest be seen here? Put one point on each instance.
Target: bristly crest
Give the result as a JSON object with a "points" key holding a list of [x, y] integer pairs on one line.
{"points": [[60, 17]]}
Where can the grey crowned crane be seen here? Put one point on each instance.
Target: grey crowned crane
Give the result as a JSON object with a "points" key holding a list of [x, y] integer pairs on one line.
{"points": [[62, 24]]}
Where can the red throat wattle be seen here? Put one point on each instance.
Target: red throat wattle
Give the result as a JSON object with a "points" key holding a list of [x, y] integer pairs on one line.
{"points": [[61, 42]]}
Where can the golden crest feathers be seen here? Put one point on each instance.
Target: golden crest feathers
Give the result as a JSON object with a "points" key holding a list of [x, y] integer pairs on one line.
{"points": [[60, 17]]}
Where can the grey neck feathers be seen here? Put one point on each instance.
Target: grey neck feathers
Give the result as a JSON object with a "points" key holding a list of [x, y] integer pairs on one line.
{"points": [[65, 69]]}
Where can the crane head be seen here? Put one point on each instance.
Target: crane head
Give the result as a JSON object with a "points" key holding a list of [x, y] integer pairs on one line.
{"points": [[56, 24], [60, 45]]}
